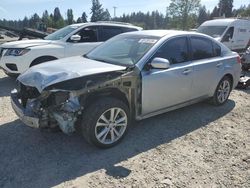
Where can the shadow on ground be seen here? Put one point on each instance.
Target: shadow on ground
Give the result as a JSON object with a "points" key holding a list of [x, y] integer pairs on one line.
{"points": [[31, 158], [6, 85]]}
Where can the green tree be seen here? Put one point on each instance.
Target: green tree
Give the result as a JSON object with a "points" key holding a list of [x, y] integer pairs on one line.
{"points": [[202, 15], [45, 18], [215, 13], [58, 21], [84, 17], [34, 20], [79, 20], [70, 16], [182, 9], [57, 14], [225, 8], [98, 13]]}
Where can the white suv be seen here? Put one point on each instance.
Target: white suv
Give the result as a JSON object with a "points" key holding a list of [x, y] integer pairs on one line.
{"points": [[72, 40]]}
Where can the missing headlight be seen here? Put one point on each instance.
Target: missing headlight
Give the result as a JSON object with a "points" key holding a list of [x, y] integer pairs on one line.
{"points": [[58, 98]]}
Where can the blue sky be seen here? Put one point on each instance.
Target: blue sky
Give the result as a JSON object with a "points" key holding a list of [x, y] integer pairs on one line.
{"points": [[17, 9]]}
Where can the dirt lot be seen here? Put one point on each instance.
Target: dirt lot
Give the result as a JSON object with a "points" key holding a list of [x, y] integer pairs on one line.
{"points": [[197, 146]]}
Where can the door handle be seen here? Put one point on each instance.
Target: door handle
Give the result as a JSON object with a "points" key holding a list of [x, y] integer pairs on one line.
{"points": [[187, 71], [219, 64]]}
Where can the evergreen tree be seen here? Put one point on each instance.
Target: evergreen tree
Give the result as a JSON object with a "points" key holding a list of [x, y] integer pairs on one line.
{"points": [[79, 20], [215, 13], [58, 21], [98, 13], [202, 15], [70, 16], [84, 17], [225, 8], [57, 14]]}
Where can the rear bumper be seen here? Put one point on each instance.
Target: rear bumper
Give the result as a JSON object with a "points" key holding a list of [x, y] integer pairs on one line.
{"points": [[20, 112]]}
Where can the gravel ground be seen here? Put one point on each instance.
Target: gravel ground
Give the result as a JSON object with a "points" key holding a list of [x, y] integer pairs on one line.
{"points": [[197, 146]]}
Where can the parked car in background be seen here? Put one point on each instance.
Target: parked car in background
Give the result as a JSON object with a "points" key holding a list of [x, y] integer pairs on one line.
{"points": [[72, 40], [233, 32], [245, 58], [134, 75]]}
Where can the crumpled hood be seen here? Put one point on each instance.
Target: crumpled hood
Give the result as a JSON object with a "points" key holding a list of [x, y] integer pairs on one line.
{"points": [[46, 74], [25, 43]]}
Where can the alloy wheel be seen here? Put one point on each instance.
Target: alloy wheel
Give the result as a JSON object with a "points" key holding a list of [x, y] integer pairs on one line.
{"points": [[111, 125], [223, 91]]}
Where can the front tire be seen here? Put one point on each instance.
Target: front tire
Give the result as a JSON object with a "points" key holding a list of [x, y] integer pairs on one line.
{"points": [[105, 122], [222, 91]]}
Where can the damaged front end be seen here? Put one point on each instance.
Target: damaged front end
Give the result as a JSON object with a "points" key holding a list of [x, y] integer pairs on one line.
{"points": [[48, 109]]}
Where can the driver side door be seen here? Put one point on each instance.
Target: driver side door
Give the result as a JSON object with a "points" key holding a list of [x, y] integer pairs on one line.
{"points": [[163, 88], [88, 41]]}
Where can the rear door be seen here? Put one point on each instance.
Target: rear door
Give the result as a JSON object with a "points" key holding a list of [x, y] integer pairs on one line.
{"points": [[107, 32], [207, 65], [163, 88]]}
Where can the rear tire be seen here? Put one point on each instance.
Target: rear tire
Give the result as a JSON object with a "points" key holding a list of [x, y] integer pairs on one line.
{"points": [[222, 91], [105, 122]]}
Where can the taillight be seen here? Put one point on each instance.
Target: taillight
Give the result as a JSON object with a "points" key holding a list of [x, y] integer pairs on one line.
{"points": [[238, 60]]}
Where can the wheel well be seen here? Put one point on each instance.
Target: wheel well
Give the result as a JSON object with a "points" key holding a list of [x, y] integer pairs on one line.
{"points": [[113, 93], [42, 59], [231, 78]]}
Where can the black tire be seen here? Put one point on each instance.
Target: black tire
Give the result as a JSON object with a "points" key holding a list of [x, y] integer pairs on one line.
{"points": [[216, 99], [11, 75], [42, 60], [92, 115]]}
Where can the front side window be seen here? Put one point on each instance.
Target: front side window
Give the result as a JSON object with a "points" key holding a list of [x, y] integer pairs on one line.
{"points": [[109, 32], [88, 34], [61, 33], [228, 35], [123, 49], [175, 50], [202, 48]]}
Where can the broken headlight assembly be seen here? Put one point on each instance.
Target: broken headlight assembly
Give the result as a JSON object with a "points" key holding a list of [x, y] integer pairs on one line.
{"points": [[58, 98], [16, 52]]}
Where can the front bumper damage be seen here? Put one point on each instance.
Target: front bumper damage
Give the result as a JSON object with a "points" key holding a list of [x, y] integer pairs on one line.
{"points": [[20, 112], [37, 115]]}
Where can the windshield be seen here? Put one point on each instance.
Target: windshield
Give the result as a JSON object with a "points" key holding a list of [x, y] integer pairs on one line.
{"points": [[123, 50], [213, 31], [61, 33]]}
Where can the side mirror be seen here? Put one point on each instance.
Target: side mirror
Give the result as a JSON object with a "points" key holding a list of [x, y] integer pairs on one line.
{"points": [[160, 63], [75, 38]]}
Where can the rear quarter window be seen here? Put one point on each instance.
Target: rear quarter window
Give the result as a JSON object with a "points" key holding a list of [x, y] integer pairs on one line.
{"points": [[202, 48], [217, 49]]}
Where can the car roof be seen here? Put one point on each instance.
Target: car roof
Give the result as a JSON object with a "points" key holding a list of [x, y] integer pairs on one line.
{"points": [[119, 24], [163, 33], [219, 22]]}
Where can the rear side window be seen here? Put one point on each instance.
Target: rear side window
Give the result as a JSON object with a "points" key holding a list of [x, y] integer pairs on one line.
{"points": [[175, 50], [109, 32], [217, 49], [202, 48]]}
